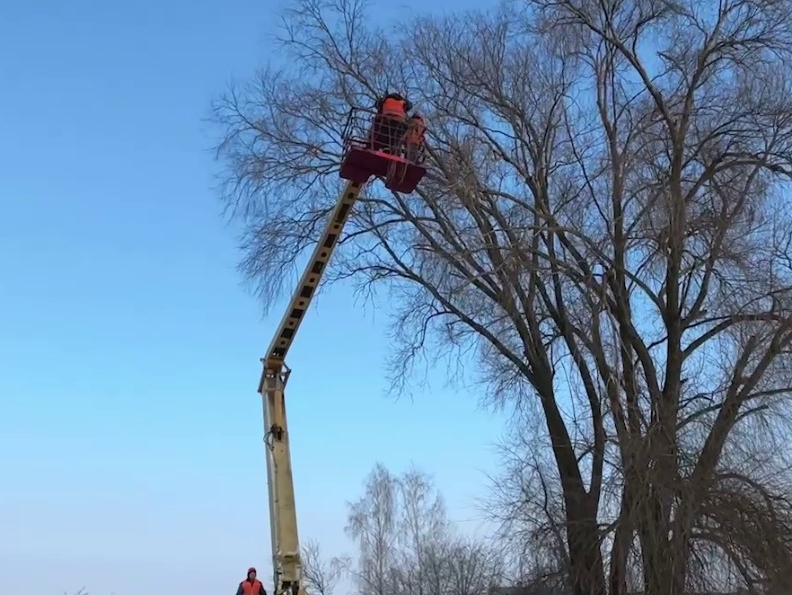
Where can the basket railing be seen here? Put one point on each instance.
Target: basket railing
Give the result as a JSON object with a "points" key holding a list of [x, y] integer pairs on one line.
{"points": [[364, 129]]}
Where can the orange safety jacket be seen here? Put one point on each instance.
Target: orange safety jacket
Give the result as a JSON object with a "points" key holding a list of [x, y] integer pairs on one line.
{"points": [[254, 587], [394, 108]]}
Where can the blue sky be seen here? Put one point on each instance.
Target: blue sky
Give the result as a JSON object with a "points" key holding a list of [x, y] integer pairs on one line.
{"points": [[131, 458]]}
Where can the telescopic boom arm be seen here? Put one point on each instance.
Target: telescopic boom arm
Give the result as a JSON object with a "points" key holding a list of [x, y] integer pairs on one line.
{"points": [[283, 516]]}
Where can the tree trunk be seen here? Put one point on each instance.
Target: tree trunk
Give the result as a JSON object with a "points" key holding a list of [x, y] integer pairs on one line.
{"points": [[587, 573]]}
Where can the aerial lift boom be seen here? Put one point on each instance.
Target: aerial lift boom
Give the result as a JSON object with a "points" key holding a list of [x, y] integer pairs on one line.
{"points": [[283, 516], [361, 162]]}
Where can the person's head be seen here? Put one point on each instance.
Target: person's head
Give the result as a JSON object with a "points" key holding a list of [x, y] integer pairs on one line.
{"points": [[251, 573]]}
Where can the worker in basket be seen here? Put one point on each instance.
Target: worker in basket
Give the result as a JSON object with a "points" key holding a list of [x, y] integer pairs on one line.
{"points": [[251, 585], [390, 123], [414, 140]]}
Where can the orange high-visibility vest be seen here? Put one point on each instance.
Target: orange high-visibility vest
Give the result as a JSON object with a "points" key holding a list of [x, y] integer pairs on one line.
{"points": [[394, 108], [251, 587]]}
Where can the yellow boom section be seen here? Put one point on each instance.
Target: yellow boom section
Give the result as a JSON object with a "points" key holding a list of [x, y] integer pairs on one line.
{"points": [[283, 515]]}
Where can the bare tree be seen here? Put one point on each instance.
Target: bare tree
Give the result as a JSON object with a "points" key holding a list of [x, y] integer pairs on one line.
{"points": [[473, 567], [424, 555], [527, 505], [604, 221], [373, 525], [320, 575]]}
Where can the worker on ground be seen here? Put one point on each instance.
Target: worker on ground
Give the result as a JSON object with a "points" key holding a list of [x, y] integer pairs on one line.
{"points": [[390, 123], [416, 130], [251, 585]]}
